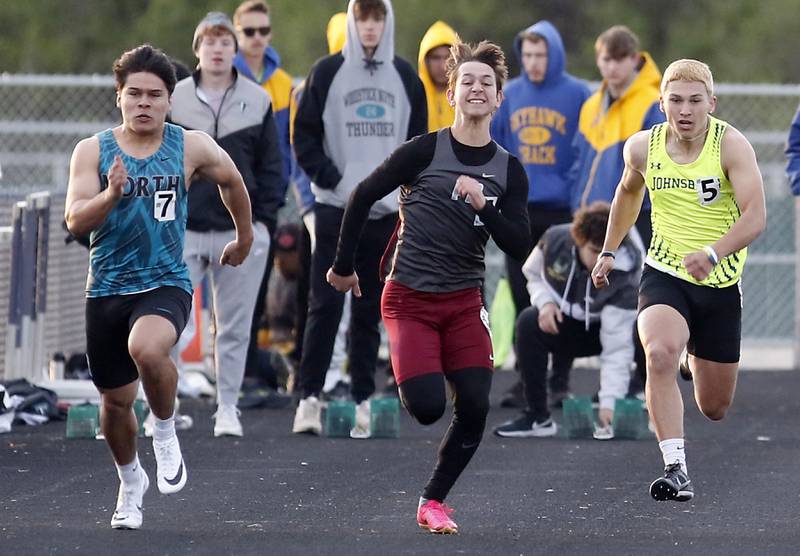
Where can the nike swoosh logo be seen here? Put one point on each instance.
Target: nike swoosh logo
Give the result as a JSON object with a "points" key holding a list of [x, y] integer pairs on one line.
{"points": [[177, 479], [487, 175], [165, 158], [167, 311], [469, 446]]}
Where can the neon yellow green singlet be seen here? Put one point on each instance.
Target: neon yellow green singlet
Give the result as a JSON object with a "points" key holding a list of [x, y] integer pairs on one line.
{"points": [[693, 206]]}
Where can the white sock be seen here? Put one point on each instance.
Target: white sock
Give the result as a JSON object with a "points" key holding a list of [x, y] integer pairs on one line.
{"points": [[672, 451], [164, 428], [129, 473]]}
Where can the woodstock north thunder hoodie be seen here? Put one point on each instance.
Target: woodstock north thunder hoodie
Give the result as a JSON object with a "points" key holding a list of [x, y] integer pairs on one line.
{"points": [[354, 113]]}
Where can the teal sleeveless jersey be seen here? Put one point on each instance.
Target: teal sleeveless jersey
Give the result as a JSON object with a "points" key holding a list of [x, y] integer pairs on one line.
{"points": [[139, 246]]}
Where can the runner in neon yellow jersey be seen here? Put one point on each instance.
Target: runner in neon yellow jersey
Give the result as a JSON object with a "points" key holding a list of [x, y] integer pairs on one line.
{"points": [[708, 206]]}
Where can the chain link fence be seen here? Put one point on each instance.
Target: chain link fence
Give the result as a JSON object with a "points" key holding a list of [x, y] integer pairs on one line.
{"points": [[42, 117]]}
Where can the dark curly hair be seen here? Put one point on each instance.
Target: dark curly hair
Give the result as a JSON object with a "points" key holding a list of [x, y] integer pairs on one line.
{"points": [[590, 223]]}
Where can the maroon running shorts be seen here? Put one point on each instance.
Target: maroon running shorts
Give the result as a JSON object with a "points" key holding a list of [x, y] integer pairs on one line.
{"points": [[435, 332]]}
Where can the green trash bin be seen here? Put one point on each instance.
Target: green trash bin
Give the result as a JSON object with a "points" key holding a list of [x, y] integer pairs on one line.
{"points": [[83, 421], [384, 418], [340, 417], [578, 417], [630, 419]]}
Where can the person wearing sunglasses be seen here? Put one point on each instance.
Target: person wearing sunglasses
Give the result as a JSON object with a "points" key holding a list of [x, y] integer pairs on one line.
{"points": [[259, 61]]}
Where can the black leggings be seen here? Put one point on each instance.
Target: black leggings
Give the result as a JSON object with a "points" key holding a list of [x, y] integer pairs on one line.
{"points": [[425, 398]]}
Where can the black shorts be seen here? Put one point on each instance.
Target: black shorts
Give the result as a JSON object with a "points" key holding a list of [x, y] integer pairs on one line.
{"points": [[714, 315], [109, 321]]}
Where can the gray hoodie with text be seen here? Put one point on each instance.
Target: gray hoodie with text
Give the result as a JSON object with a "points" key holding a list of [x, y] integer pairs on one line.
{"points": [[354, 113]]}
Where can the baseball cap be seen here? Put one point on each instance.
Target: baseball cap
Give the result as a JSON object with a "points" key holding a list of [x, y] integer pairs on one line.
{"points": [[213, 19]]}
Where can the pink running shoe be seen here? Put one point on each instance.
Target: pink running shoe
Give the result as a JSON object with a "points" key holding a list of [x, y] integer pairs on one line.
{"points": [[435, 517]]}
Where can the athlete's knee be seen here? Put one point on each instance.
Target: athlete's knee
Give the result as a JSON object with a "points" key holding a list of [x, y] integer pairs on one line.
{"points": [[424, 397], [714, 410], [425, 410], [116, 405], [147, 355], [662, 358], [426, 413]]}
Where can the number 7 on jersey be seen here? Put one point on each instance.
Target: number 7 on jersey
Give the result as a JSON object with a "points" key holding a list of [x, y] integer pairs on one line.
{"points": [[164, 205]]}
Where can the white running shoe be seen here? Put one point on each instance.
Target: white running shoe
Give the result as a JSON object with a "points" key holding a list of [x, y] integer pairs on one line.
{"points": [[128, 513], [363, 417], [603, 433], [226, 421], [308, 417], [170, 469], [182, 423]]}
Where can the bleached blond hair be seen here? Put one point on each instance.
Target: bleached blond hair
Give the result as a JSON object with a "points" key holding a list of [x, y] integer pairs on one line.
{"points": [[688, 70]]}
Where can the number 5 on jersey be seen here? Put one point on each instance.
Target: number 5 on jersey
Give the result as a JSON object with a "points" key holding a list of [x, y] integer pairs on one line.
{"points": [[708, 190], [164, 205]]}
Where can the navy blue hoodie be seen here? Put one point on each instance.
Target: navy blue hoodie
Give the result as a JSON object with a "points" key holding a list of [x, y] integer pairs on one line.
{"points": [[537, 121]]}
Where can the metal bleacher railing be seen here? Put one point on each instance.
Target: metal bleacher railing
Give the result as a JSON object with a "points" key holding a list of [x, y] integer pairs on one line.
{"points": [[42, 117]]}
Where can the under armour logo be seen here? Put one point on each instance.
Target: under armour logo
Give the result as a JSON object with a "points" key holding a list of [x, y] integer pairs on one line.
{"points": [[655, 166]]}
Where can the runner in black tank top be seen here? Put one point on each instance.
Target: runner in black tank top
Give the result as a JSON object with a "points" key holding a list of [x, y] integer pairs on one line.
{"points": [[458, 187]]}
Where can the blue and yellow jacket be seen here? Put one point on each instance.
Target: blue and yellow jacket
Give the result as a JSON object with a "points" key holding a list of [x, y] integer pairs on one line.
{"points": [[603, 130], [278, 84], [537, 122]]}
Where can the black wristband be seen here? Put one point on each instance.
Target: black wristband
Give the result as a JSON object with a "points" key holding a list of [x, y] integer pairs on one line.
{"points": [[606, 254]]}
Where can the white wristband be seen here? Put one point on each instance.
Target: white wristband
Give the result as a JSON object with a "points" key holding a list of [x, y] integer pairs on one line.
{"points": [[712, 255]]}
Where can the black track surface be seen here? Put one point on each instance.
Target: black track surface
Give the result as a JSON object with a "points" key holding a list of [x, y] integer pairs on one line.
{"points": [[277, 493]]}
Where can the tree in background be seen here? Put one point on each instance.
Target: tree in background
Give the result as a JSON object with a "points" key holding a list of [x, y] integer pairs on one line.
{"points": [[80, 36]]}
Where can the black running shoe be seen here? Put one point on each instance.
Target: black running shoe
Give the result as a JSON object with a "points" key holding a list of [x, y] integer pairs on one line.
{"points": [[674, 485], [686, 372], [525, 426]]}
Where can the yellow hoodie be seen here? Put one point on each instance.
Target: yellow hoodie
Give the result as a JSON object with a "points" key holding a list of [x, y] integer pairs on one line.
{"points": [[337, 32], [440, 113]]}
